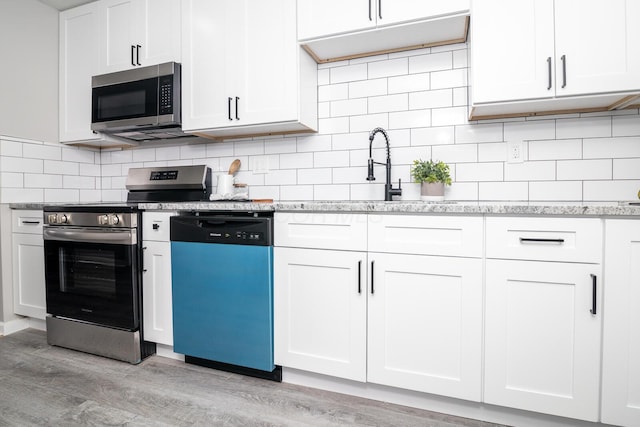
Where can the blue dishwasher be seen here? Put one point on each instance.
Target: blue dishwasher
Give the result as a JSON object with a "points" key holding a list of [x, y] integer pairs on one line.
{"points": [[222, 284]]}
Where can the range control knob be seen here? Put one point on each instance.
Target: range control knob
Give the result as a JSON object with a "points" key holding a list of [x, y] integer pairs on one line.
{"points": [[103, 219], [63, 219], [52, 218], [113, 219]]}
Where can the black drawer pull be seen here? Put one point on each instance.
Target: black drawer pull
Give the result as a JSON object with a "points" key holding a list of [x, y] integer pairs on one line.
{"points": [[31, 222], [359, 277], [535, 240], [594, 295], [372, 291]]}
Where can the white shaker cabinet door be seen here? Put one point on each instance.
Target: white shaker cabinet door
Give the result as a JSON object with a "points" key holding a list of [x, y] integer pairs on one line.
{"points": [[28, 275], [597, 46], [391, 12], [320, 311], [621, 342], [319, 18], [542, 344], [512, 51], [425, 324], [156, 293]]}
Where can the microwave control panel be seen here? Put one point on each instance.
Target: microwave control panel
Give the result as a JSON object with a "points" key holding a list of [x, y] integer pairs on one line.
{"points": [[165, 95]]}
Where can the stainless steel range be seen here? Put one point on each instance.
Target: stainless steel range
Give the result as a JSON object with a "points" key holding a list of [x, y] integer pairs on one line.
{"points": [[93, 264]]}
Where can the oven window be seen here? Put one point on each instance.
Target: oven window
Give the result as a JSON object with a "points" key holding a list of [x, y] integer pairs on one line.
{"points": [[88, 272]]}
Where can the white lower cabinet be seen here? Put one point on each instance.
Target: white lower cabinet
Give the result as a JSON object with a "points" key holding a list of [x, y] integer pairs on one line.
{"points": [[29, 295], [621, 337], [321, 311], [425, 324], [543, 315], [402, 320], [156, 278]]}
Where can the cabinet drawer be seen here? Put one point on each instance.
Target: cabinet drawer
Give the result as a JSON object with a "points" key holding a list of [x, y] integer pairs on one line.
{"points": [[321, 230], [155, 226], [27, 221], [426, 235], [545, 239]]}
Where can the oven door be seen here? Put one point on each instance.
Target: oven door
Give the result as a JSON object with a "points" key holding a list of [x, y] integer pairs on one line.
{"points": [[93, 275]]}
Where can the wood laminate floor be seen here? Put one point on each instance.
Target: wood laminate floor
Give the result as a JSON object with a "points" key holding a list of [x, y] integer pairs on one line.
{"points": [[44, 385]]}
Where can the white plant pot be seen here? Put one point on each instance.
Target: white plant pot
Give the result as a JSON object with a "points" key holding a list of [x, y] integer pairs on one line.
{"points": [[432, 191]]}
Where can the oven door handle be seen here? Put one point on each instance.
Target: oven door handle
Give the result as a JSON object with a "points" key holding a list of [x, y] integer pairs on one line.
{"points": [[108, 236]]}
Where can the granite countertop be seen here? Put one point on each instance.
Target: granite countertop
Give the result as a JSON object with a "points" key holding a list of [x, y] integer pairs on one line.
{"points": [[407, 207]]}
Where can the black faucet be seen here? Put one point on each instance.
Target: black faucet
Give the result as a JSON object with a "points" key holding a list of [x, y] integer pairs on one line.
{"points": [[389, 191]]}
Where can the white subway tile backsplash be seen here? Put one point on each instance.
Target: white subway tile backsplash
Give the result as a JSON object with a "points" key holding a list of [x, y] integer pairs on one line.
{"points": [[439, 135], [431, 62], [460, 153], [621, 147], [330, 159], [167, 153], [389, 68], [583, 127], [479, 133], [351, 175], [503, 191], [466, 191], [460, 58], [281, 177], [449, 116], [313, 143], [348, 73], [79, 155], [563, 149], [409, 83], [112, 170], [448, 79], [61, 195], [460, 97], [20, 164], [431, 99], [279, 146], [571, 170], [39, 180], [388, 103], [530, 171], [194, 151], [296, 161], [626, 125], [367, 88], [492, 152], [217, 149], [555, 191], [11, 148], [89, 196], [12, 179], [249, 148], [626, 169], [315, 176], [38, 151], [88, 182], [526, 131], [296, 192], [611, 190], [349, 107], [368, 122], [478, 172], [324, 76], [333, 92], [122, 156], [331, 192], [350, 141], [410, 119], [60, 167], [333, 125], [22, 195], [324, 110], [143, 155], [369, 191]]}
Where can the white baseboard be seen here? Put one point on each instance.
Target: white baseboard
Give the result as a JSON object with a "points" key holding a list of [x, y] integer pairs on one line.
{"points": [[167, 351], [430, 402], [16, 325]]}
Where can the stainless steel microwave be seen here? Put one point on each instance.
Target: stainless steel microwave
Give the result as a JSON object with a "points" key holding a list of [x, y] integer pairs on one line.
{"points": [[138, 104]]}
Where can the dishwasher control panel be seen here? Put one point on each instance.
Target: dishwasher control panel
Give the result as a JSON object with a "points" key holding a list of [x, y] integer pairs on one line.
{"points": [[232, 230]]}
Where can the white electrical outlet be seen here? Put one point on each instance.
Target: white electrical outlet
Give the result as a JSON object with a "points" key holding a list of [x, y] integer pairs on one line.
{"points": [[515, 151]]}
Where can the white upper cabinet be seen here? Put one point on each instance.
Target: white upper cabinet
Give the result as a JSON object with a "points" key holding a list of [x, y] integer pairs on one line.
{"points": [[533, 56], [242, 70], [139, 33], [335, 29], [79, 60]]}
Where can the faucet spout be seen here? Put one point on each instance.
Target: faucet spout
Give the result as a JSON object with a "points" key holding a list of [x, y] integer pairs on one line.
{"points": [[389, 191]]}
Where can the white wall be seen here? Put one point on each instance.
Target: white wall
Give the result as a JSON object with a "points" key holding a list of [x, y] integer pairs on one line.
{"points": [[420, 97], [29, 83]]}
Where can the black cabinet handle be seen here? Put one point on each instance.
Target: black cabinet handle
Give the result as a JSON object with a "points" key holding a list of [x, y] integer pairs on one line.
{"points": [[531, 239], [594, 295], [380, 9], [370, 17], [138, 54], [237, 102], [229, 108], [563, 58], [133, 48], [549, 68], [359, 277], [31, 222], [372, 277]]}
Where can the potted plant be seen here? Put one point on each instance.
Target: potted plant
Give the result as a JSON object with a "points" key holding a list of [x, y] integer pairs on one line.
{"points": [[432, 176]]}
